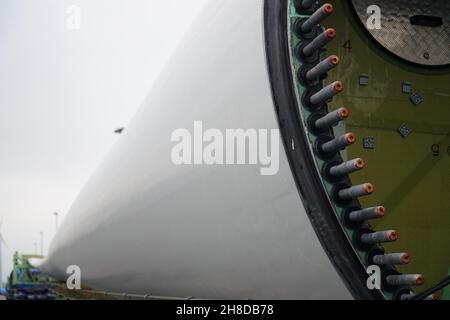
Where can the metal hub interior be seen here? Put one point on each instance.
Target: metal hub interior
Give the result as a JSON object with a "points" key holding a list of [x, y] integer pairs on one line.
{"points": [[379, 129]]}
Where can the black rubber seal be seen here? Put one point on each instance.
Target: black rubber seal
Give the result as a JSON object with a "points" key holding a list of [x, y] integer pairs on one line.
{"points": [[404, 291], [348, 222], [376, 251], [298, 30], [389, 271], [302, 163], [321, 140]]}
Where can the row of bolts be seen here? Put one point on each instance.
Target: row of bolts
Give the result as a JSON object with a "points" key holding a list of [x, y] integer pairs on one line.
{"points": [[340, 143]]}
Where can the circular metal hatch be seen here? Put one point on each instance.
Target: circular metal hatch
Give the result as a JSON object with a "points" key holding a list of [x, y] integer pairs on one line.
{"points": [[415, 30]]}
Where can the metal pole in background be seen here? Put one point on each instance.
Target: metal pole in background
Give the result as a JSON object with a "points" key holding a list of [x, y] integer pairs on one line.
{"points": [[2, 241], [56, 220], [42, 243]]}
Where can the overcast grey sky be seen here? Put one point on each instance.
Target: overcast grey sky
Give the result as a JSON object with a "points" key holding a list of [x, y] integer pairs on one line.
{"points": [[63, 92]]}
